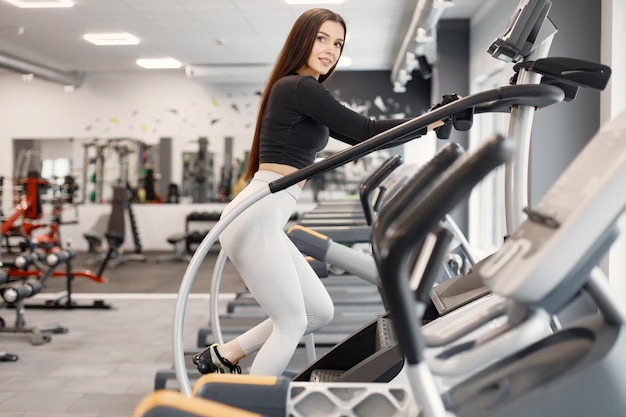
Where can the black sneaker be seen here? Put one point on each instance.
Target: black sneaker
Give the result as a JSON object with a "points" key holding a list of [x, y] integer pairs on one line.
{"points": [[210, 361]]}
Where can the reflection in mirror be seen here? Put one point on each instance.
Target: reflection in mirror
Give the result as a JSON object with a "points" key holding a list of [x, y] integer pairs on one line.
{"points": [[91, 167], [208, 171], [54, 170]]}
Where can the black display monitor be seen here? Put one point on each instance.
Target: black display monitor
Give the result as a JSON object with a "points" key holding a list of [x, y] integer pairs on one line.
{"points": [[521, 32]]}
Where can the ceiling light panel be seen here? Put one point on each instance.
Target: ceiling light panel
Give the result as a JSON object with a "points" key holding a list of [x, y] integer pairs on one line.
{"points": [[41, 4], [121, 38], [314, 1], [159, 63]]}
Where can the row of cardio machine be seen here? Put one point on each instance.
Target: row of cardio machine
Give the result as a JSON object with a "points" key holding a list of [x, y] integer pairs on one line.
{"points": [[335, 240], [334, 237], [539, 332]]}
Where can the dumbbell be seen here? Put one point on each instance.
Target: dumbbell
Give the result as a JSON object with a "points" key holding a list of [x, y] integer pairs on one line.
{"points": [[24, 260], [56, 257], [20, 290]]}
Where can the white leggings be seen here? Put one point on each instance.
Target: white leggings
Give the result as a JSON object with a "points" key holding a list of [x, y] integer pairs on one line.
{"points": [[276, 274]]}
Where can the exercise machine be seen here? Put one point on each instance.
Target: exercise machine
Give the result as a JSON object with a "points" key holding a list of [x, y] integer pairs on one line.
{"points": [[584, 357], [577, 370], [26, 218], [185, 242], [116, 232], [280, 397], [501, 98], [25, 278], [102, 170], [420, 368], [521, 99], [526, 41]]}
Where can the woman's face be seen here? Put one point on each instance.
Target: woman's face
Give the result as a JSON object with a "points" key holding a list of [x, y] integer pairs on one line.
{"points": [[326, 49]]}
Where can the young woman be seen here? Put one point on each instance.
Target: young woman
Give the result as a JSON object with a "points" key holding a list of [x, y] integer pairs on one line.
{"points": [[297, 113]]}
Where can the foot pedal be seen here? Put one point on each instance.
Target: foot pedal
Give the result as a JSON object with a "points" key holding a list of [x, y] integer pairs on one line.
{"points": [[385, 334], [326, 375]]}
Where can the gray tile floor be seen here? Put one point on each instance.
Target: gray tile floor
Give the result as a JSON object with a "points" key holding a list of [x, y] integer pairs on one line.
{"points": [[109, 358], [102, 366]]}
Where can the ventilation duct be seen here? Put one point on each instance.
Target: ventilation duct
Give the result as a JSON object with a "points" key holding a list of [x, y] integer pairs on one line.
{"points": [[420, 36], [12, 63]]}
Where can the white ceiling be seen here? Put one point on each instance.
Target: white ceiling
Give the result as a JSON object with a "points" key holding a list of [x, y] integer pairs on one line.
{"points": [[197, 31]]}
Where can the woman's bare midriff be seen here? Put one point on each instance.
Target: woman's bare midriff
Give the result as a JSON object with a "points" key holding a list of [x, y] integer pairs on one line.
{"points": [[280, 169]]}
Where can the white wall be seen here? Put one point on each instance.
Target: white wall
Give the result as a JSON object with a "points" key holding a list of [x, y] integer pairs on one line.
{"points": [[142, 106], [155, 223], [145, 107]]}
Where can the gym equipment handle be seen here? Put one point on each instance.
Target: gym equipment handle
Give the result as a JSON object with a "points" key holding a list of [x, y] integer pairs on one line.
{"points": [[424, 178], [525, 94], [374, 180], [436, 253], [396, 235]]}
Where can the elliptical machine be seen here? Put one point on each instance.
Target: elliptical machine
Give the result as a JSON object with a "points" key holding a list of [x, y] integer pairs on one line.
{"points": [[522, 99]]}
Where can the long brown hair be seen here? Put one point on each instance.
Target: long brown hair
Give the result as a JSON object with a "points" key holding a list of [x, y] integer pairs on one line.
{"points": [[293, 56]]}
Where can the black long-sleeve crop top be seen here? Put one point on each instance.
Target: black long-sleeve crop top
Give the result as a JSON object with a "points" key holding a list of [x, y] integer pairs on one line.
{"points": [[301, 114]]}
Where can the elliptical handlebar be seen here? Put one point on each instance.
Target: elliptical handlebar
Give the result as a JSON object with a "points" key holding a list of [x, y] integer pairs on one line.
{"points": [[421, 181], [533, 95], [400, 229], [431, 256], [573, 71], [368, 187], [511, 95]]}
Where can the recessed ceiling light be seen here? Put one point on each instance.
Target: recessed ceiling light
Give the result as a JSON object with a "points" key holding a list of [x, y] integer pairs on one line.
{"points": [[159, 63], [41, 4], [121, 38], [314, 1]]}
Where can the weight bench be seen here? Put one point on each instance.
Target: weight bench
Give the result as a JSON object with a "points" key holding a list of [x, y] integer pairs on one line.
{"points": [[95, 240], [185, 243], [116, 232]]}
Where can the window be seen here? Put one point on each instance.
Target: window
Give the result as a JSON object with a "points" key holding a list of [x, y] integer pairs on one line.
{"points": [[55, 170], [487, 223]]}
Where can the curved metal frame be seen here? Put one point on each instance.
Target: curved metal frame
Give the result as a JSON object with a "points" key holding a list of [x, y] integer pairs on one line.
{"points": [[214, 305], [180, 367], [516, 171]]}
